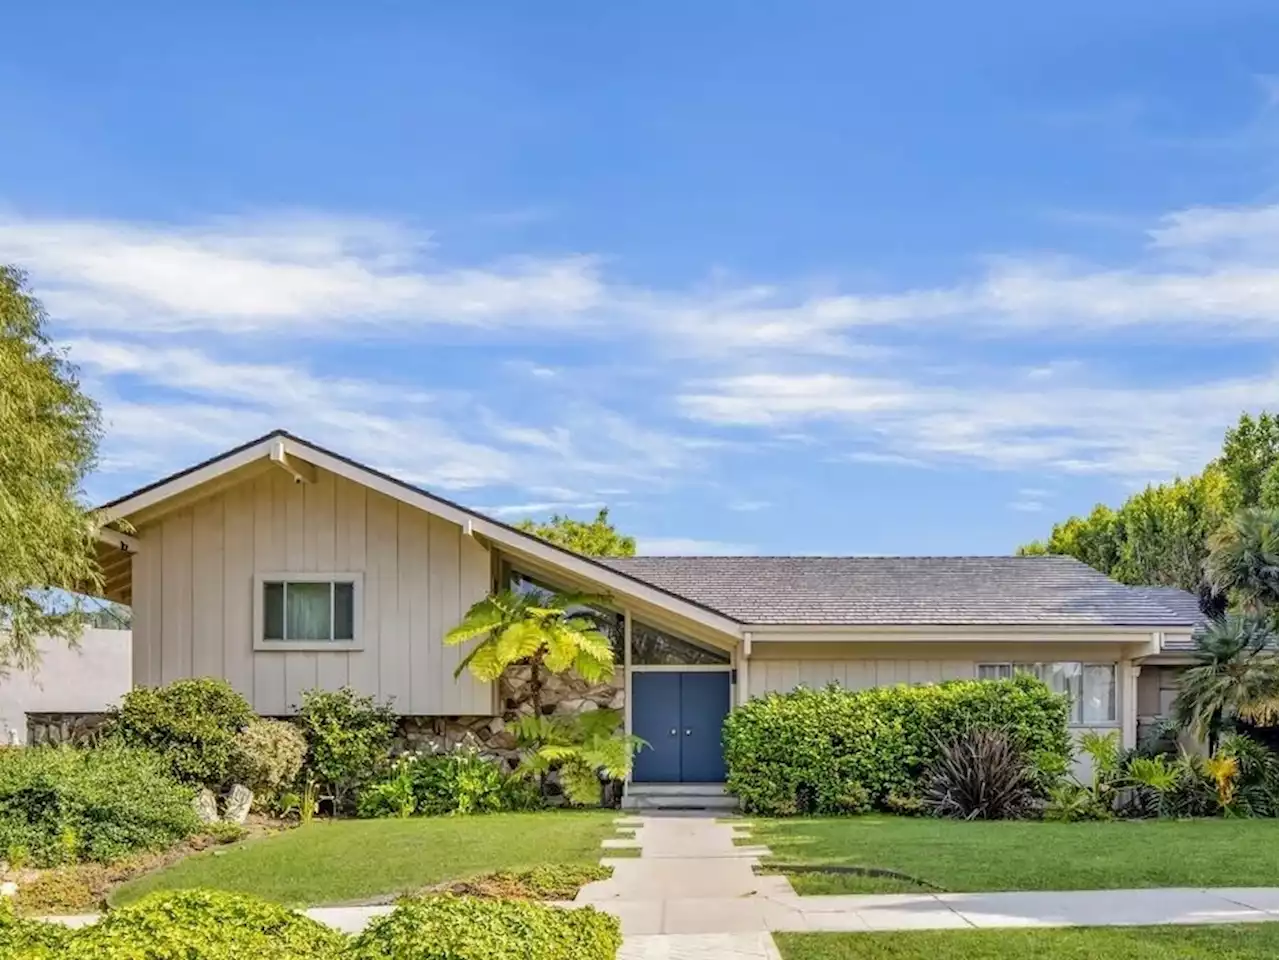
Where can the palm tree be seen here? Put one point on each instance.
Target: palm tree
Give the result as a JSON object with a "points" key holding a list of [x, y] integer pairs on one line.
{"points": [[1242, 561], [537, 627], [1234, 676]]}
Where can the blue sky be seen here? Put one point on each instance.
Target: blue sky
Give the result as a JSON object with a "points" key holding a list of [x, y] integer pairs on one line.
{"points": [[765, 278]]}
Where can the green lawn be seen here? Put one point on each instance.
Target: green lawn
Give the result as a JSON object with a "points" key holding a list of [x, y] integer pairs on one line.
{"points": [[1240, 941], [353, 860], [1024, 855]]}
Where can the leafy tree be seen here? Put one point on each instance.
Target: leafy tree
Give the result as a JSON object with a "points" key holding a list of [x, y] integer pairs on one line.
{"points": [[1157, 537], [1250, 454], [545, 630], [1242, 562], [1234, 676], [597, 538], [49, 431]]}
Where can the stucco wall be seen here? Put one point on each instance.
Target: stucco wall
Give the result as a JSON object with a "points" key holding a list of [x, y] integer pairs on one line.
{"points": [[194, 594], [85, 679]]}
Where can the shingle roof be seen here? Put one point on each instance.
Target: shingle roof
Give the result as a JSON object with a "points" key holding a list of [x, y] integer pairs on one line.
{"points": [[1178, 601], [904, 590]]}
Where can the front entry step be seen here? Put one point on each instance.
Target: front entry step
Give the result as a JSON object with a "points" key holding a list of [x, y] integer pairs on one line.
{"points": [[678, 796]]}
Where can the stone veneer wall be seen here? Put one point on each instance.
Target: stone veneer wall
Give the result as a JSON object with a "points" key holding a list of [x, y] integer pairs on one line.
{"points": [[561, 694], [59, 728]]}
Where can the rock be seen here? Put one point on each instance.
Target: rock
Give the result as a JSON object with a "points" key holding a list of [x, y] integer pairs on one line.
{"points": [[206, 805], [8, 889], [238, 803]]}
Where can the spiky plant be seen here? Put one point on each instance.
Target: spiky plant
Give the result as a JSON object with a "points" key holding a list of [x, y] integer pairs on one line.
{"points": [[979, 775]]}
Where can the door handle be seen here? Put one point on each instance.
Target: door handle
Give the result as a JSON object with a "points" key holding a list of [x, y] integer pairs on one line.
{"points": [[688, 732], [674, 732]]}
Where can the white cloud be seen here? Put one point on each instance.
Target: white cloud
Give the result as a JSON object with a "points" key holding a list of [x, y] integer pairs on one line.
{"points": [[748, 506], [440, 440], [1027, 506], [691, 547], [160, 315], [322, 276], [1063, 427]]}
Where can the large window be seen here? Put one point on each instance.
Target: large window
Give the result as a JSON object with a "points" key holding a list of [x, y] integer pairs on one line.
{"points": [[1091, 686], [653, 647], [308, 610]]}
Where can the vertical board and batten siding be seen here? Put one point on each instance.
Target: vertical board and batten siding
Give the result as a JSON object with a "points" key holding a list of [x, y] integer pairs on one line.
{"points": [[777, 676], [193, 585]]}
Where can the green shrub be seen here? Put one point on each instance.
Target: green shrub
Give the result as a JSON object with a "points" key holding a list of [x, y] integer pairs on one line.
{"points": [[462, 781], [30, 939], [1258, 780], [465, 928], [191, 723], [204, 925], [813, 751], [62, 805], [267, 756], [348, 739]]}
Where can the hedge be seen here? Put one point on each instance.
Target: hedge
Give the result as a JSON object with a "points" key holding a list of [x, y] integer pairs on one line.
{"points": [[468, 928], [835, 751], [63, 805]]}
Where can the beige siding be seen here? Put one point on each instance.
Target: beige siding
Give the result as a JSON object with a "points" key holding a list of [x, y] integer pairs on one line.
{"points": [[194, 598]]}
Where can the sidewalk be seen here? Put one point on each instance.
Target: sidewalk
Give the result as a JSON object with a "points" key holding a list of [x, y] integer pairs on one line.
{"points": [[692, 894]]}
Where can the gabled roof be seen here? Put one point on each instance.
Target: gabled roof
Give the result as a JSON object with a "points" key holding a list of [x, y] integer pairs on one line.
{"points": [[281, 443], [1184, 604], [725, 594], [905, 590]]}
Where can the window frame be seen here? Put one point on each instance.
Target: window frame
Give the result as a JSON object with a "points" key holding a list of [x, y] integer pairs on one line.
{"points": [[1072, 722], [353, 577]]}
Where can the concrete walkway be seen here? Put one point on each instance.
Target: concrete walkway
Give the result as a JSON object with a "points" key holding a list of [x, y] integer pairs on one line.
{"points": [[691, 894], [690, 879]]}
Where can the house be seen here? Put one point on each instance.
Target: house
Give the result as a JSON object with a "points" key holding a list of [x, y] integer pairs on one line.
{"points": [[72, 683], [282, 566]]}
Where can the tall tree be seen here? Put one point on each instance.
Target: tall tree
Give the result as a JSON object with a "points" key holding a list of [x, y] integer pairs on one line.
{"points": [[1250, 454], [1157, 537], [595, 538], [49, 431]]}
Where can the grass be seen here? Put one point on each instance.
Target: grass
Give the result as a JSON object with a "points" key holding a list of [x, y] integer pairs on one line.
{"points": [[359, 860], [1239, 941], [1023, 855]]}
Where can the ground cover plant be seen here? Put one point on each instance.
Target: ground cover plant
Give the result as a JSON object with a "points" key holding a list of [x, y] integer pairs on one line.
{"points": [[61, 805], [1021, 855], [467, 928]]}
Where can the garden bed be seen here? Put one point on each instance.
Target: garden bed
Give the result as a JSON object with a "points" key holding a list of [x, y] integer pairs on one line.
{"points": [[963, 856], [86, 887]]}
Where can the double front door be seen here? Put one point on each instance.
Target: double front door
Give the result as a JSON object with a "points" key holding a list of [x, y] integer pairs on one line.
{"points": [[680, 714]]}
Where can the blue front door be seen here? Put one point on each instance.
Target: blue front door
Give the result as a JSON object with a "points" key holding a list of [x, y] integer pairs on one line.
{"points": [[704, 703], [681, 716]]}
